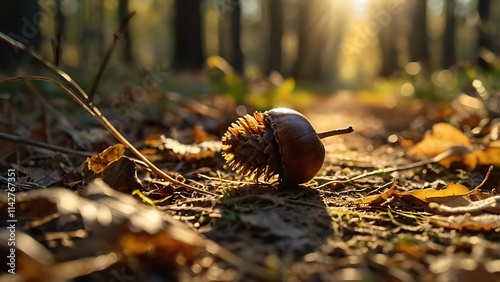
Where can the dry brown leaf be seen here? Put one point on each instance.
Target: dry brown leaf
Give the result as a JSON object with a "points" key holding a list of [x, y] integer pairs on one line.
{"points": [[99, 162], [379, 198], [114, 223], [185, 152], [120, 175], [444, 137], [441, 138]]}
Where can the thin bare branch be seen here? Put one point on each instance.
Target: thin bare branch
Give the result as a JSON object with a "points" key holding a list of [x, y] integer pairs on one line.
{"points": [[27, 141], [116, 37], [60, 73], [93, 110]]}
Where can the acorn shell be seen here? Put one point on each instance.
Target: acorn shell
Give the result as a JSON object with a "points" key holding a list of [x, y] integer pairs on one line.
{"points": [[301, 150]]}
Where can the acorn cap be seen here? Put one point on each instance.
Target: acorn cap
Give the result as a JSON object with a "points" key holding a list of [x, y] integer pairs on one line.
{"points": [[250, 148]]}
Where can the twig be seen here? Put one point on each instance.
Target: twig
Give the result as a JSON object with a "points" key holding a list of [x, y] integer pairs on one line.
{"points": [[96, 113], [448, 153], [56, 47], [476, 189], [116, 37], [20, 139], [57, 71], [88, 106]]}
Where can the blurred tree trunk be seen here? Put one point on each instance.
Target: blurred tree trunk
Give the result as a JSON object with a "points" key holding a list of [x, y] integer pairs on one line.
{"points": [[230, 33], [19, 20], [484, 29], [418, 49], [127, 41], [93, 38], [275, 35], [188, 43], [311, 42], [60, 29], [387, 38], [388, 50], [320, 34], [449, 54]]}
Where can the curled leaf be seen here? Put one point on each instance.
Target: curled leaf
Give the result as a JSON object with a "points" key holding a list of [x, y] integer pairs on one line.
{"points": [[453, 192], [379, 198], [441, 138]]}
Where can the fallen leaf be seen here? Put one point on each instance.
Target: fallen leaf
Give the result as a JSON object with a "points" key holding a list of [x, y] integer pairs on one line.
{"points": [[441, 138], [191, 153], [120, 174], [452, 192], [115, 223], [490, 155], [99, 162], [379, 198]]}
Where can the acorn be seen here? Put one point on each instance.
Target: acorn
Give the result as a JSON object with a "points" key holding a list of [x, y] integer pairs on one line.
{"points": [[279, 142]]}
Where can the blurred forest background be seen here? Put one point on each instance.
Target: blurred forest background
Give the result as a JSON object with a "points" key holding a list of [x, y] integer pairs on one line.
{"points": [[323, 45]]}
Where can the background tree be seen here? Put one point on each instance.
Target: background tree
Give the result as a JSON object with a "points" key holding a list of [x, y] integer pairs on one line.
{"points": [[230, 33], [484, 31], [20, 20], [93, 48], [449, 53], [418, 43], [188, 54], [320, 30], [387, 38], [123, 11], [275, 17]]}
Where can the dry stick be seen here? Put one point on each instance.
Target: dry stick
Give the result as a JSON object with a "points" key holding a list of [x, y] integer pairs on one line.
{"points": [[57, 71], [82, 100], [476, 189], [438, 158], [20, 139], [448, 153], [93, 110], [116, 37]]}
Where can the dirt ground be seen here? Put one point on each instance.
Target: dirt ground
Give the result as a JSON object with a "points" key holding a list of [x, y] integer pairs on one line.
{"points": [[255, 231]]}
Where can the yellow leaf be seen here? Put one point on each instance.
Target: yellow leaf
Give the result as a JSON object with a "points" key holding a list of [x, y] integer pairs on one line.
{"points": [[378, 199], [440, 138], [100, 161], [491, 155], [450, 193], [443, 137]]}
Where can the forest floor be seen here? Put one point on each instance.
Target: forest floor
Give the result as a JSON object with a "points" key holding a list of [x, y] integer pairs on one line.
{"points": [[373, 228]]}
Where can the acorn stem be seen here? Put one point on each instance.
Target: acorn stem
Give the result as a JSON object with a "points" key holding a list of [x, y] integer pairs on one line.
{"points": [[334, 132]]}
